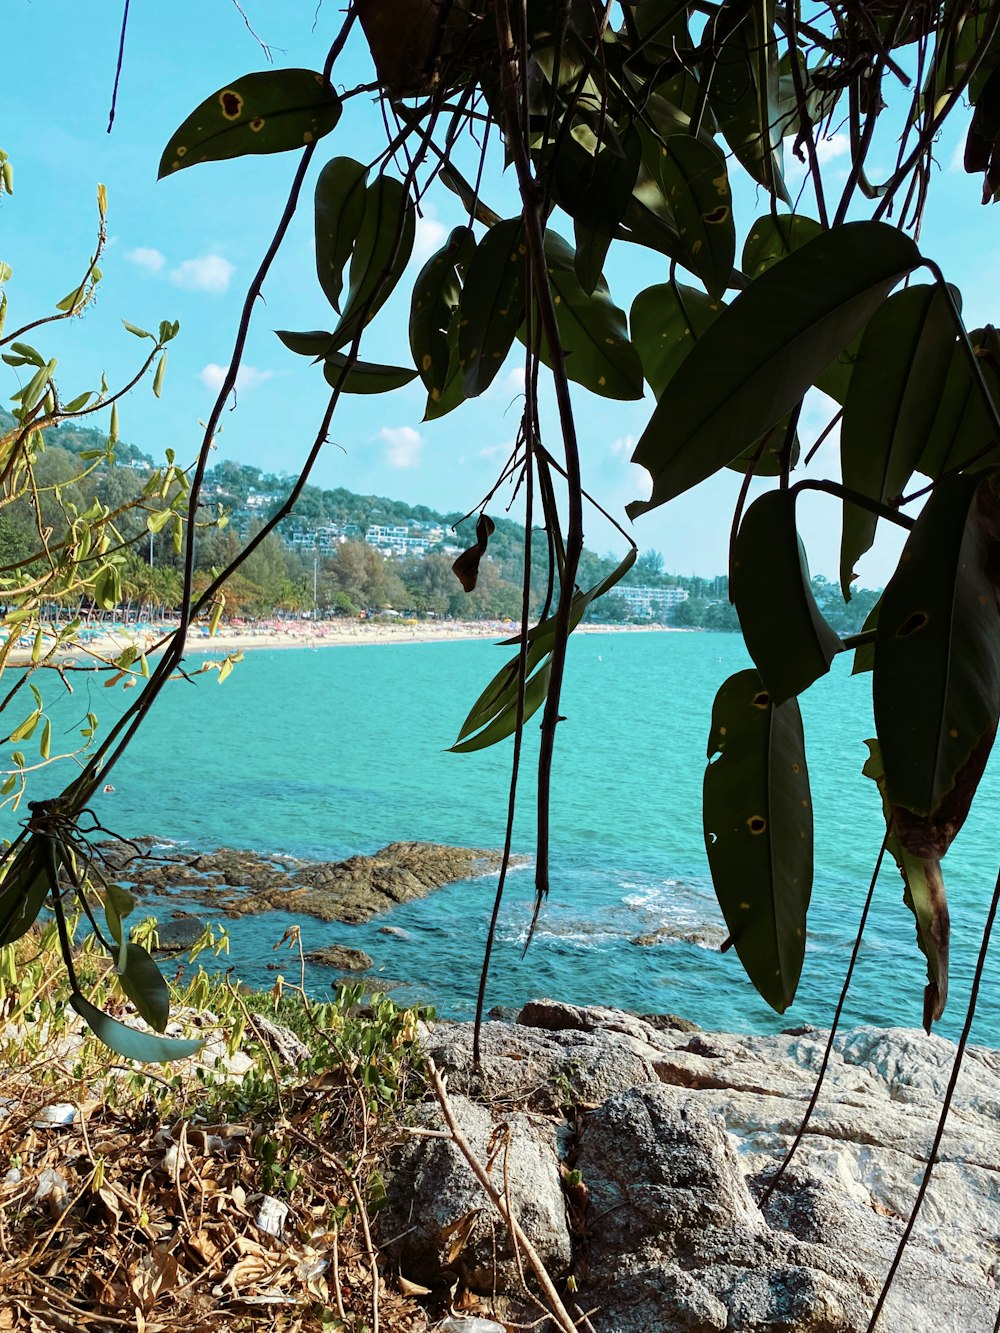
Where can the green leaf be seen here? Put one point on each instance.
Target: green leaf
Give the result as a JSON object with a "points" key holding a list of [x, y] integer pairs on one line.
{"points": [[365, 376], [592, 329], [271, 112], [341, 198], [773, 237], [118, 904], [595, 188], [744, 94], [923, 894], [453, 393], [315, 343], [895, 387], [381, 253], [45, 745], [129, 1043], [433, 303], [139, 333], [161, 370], [492, 305], [759, 832], [963, 428], [936, 682], [26, 729], [23, 891], [496, 708], [107, 591], [787, 637], [143, 984], [696, 185], [761, 355]]}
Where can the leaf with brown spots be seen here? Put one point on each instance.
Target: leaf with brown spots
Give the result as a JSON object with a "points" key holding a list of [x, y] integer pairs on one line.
{"points": [[696, 185], [271, 112], [466, 567], [759, 832]]}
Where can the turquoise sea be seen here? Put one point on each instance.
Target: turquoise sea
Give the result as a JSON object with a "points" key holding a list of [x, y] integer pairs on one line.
{"points": [[326, 753]]}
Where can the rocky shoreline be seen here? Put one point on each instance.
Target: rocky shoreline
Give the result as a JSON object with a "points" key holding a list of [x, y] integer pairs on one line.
{"points": [[636, 1156]]}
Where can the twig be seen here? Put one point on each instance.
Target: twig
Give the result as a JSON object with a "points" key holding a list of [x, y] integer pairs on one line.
{"points": [[118, 67], [559, 1312]]}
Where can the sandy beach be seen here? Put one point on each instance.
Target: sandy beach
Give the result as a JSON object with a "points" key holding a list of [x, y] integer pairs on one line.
{"points": [[110, 642]]}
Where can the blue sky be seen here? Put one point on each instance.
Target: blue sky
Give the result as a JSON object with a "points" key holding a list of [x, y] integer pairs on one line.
{"points": [[186, 247]]}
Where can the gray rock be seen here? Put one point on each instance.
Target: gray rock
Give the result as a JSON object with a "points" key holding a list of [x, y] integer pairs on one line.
{"points": [[705, 936], [447, 1226], [340, 956], [178, 934], [678, 1133], [289, 1048]]}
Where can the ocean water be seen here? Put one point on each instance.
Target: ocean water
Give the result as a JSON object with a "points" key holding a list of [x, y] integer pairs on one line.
{"points": [[326, 753]]}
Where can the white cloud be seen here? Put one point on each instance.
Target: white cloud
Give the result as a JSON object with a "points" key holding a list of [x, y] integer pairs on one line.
{"points": [[143, 256], [247, 377], [514, 382], [430, 236], [623, 446], [829, 149], [211, 273], [404, 443]]}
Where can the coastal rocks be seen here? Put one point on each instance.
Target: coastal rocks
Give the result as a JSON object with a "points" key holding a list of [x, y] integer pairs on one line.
{"points": [[178, 934], [340, 956], [705, 936], [676, 1133], [239, 883]]}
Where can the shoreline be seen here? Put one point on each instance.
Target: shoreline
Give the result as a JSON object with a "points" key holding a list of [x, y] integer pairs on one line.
{"points": [[111, 642]]}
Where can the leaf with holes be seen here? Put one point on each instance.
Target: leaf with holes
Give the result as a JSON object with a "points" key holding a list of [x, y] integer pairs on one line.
{"points": [[128, 1042], [341, 199], [592, 330], [923, 894], [894, 391], [759, 832], [696, 186], [964, 427], [787, 637], [936, 681], [764, 351], [271, 112], [435, 298], [381, 253], [492, 305]]}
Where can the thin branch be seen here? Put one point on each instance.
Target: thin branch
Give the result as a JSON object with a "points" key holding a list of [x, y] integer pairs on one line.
{"points": [[118, 67]]}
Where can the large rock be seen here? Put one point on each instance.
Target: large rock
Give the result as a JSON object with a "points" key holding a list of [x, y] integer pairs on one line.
{"points": [[342, 957], [677, 1133], [350, 891]]}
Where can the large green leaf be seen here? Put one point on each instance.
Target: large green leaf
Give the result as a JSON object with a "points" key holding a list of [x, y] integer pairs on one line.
{"points": [[894, 392], [142, 982], [764, 351], [936, 682], [744, 94], [492, 306], [383, 248], [923, 894], [433, 303], [341, 197], [665, 323], [129, 1043], [696, 186], [787, 637], [759, 832], [592, 329], [963, 427], [270, 112]]}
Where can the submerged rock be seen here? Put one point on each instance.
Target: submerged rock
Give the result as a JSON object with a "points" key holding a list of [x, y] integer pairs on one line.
{"points": [[705, 936], [658, 1144]]}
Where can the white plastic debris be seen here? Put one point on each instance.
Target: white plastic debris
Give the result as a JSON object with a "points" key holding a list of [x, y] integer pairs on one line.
{"points": [[271, 1218], [56, 1116], [13, 1176], [471, 1325], [52, 1189]]}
